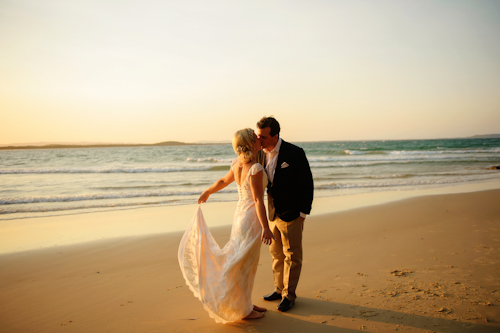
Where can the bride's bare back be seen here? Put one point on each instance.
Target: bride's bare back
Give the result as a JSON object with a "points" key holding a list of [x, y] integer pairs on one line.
{"points": [[241, 171]]}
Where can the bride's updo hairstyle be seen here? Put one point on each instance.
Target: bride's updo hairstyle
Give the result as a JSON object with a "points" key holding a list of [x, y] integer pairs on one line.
{"points": [[243, 142]]}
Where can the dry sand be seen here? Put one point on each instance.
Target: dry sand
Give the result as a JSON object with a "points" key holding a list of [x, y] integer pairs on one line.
{"points": [[425, 264]]}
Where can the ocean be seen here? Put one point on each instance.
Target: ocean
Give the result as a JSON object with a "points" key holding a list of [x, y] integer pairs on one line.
{"points": [[44, 182]]}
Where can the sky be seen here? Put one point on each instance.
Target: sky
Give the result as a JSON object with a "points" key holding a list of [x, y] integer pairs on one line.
{"points": [[128, 71]]}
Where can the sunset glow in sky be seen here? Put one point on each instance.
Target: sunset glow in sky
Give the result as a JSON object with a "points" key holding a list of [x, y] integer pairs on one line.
{"points": [[151, 71]]}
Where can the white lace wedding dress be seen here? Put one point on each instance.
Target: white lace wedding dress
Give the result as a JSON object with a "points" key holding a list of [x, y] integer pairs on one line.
{"points": [[222, 279]]}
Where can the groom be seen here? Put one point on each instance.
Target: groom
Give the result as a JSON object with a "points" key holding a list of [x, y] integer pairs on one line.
{"points": [[290, 195]]}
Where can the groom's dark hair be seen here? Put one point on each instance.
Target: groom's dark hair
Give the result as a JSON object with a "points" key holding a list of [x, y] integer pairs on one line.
{"points": [[271, 123]]}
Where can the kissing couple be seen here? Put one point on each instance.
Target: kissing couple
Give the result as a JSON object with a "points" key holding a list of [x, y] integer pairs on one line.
{"points": [[222, 278]]}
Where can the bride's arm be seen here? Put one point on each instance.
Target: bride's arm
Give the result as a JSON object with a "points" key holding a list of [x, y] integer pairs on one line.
{"points": [[217, 186], [258, 198]]}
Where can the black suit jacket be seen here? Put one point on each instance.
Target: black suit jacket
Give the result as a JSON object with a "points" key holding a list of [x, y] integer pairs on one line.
{"points": [[292, 189]]}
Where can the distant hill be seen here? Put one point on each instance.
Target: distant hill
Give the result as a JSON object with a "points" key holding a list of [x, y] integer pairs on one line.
{"points": [[485, 136], [35, 144], [170, 143], [95, 145]]}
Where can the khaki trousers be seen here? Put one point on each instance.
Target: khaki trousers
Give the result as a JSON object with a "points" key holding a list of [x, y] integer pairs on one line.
{"points": [[286, 251]]}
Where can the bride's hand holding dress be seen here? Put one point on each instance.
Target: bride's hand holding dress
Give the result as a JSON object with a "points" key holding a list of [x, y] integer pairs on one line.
{"points": [[217, 186]]}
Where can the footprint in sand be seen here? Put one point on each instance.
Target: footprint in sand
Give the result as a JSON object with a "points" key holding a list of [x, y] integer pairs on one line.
{"points": [[174, 287], [368, 313], [401, 273]]}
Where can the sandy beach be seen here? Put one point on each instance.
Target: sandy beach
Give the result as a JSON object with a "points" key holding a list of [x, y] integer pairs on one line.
{"points": [[117, 116], [428, 263]]}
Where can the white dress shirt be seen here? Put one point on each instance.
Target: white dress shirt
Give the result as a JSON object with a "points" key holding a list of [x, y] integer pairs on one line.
{"points": [[272, 161]]}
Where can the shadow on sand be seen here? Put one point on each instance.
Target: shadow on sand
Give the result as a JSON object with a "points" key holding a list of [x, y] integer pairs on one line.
{"points": [[312, 315]]}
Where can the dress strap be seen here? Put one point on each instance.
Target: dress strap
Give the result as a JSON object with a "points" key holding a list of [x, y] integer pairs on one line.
{"points": [[233, 163], [256, 168]]}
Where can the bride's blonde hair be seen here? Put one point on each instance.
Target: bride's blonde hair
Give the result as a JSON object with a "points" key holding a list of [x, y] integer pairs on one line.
{"points": [[243, 142]]}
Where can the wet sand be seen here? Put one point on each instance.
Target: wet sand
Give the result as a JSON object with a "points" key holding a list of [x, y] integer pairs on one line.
{"points": [[424, 264]]}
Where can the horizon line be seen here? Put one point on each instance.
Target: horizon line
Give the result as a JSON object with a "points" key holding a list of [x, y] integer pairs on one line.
{"points": [[207, 142]]}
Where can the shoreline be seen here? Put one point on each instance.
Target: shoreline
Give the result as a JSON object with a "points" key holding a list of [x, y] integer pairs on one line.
{"points": [[420, 264], [30, 234]]}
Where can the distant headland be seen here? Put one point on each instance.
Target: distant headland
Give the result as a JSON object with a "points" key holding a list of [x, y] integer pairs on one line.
{"points": [[486, 136], [101, 145], [44, 145]]}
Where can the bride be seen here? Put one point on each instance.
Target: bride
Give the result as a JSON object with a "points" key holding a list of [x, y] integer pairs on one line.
{"points": [[222, 279]]}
